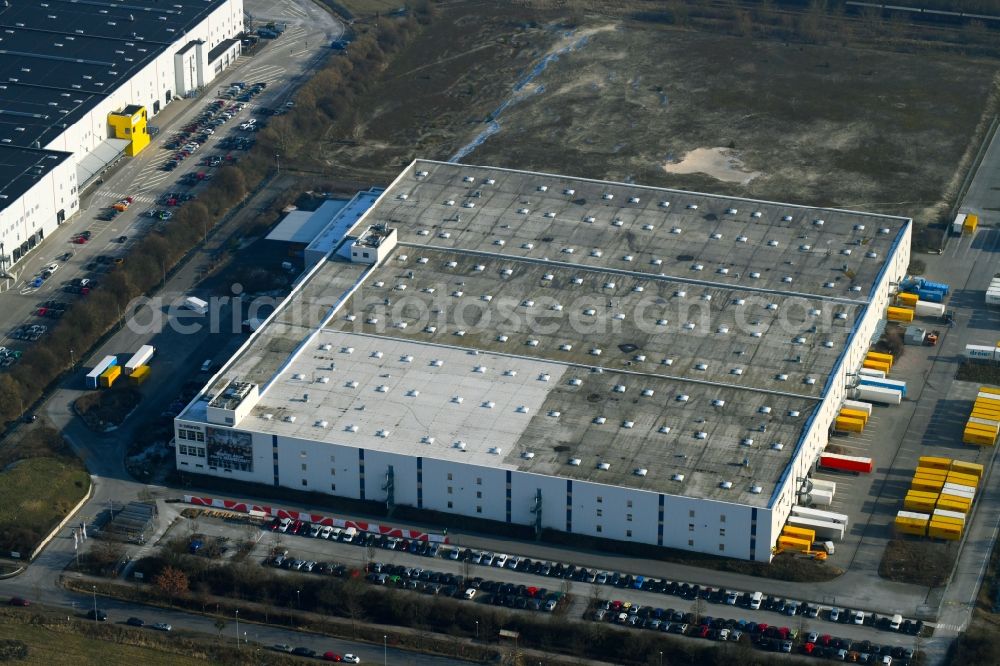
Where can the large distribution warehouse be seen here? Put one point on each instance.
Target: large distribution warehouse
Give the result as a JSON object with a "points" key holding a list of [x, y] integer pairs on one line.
{"points": [[601, 358], [78, 83]]}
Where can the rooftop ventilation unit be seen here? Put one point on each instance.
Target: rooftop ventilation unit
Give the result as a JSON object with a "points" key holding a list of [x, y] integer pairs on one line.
{"points": [[617, 222], [754, 276], [577, 280], [675, 230], [576, 381], [383, 433], [460, 445], [677, 477], [718, 402], [528, 455], [430, 329], [521, 409], [641, 471], [489, 404], [575, 462], [819, 223], [604, 466], [764, 410], [510, 373], [736, 371], [532, 343], [457, 399], [647, 227], [756, 490], [290, 418], [777, 446], [267, 417], [715, 236], [781, 378], [544, 377], [692, 206], [351, 428], [756, 214], [351, 384], [700, 366], [726, 485], [496, 450], [323, 380], [746, 441], [731, 211], [569, 192], [628, 425], [426, 439], [607, 196], [481, 369], [793, 413], [565, 347], [683, 397], [543, 188], [413, 393], [595, 352], [701, 434], [382, 388], [664, 429], [599, 420]]}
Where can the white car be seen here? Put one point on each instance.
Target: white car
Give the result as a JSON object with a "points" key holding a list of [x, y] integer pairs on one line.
{"points": [[487, 559], [501, 560], [470, 593], [858, 617], [51, 268], [835, 614], [352, 658], [314, 530], [326, 532], [732, 597]]}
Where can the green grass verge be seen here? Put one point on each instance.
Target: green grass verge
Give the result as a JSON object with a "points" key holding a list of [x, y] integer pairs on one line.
{"points": [[35, 494], [54, 646]]}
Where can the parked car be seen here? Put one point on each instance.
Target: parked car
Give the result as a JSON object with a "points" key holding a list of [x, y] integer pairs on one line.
{"points": [[135, 622], [19, 601], [98, 614], [162, 626]]}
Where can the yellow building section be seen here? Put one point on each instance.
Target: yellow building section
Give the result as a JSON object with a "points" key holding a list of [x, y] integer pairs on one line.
{"points": [[130, 123]]}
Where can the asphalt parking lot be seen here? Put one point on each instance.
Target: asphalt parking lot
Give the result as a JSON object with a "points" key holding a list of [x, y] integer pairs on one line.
{"points": [[583, 586]]}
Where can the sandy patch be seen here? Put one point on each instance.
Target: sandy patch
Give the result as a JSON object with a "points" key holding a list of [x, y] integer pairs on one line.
{"points": [[719, 163]]}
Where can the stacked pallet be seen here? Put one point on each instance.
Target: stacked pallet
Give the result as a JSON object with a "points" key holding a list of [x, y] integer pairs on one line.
{"points": [[983, 425], [939, 499]]}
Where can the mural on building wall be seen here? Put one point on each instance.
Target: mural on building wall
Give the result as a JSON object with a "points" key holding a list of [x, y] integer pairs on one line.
{"points": [[229, 449]]}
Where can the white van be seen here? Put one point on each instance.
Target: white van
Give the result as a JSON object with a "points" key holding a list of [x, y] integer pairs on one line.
{"points": [[755, 600], [896, 622]]}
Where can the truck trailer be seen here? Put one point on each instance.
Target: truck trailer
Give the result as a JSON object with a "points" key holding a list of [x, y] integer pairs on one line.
{"points": [[94, 376], [879, 394], [139, 358]]}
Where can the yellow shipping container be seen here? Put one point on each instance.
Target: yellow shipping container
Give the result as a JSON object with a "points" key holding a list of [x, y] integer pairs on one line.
{"points": [[879, 356], [855, 414], [934, 462], [108, 377], [930, 471], [962, 479], [989, 389], [978, 440], [949, 520], [980, 428], [972, 469], [874, 364], [849, 424], [915, 530], [947, 505], [908, 299], [944, 531], [799, 533], [926, 485], [899, 314], [791, 543], [921, 504], [971, 222]]}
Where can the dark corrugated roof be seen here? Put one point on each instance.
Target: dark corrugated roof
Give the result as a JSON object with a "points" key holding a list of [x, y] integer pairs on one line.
{"points": [[60, 58], [21, 168]]}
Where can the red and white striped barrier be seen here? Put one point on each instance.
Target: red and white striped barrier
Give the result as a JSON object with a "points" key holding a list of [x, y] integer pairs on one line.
{"points": [[315, 518]]}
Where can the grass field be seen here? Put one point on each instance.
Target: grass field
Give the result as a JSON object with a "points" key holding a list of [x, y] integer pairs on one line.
{"points": [[40, 491], [824, 125], [56, 647]]}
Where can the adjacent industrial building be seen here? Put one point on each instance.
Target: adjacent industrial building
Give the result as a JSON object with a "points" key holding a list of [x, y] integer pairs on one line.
{"points": [[604, 359], [80, 80]]}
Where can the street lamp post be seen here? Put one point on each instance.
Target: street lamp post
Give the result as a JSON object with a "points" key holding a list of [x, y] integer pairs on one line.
{"points": [[477, 630], [385, 650], [72, 358], [298, 599], [277, 164], [237, 628], [94, 587]]}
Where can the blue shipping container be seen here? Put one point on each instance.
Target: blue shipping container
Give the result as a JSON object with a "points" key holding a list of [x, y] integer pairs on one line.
{"points": [[931, 295]]}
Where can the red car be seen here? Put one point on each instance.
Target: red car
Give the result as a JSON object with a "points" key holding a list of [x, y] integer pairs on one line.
{"points": [[19, 601], [332, 656], [808, 648], [80, 240], [702, 631]]}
